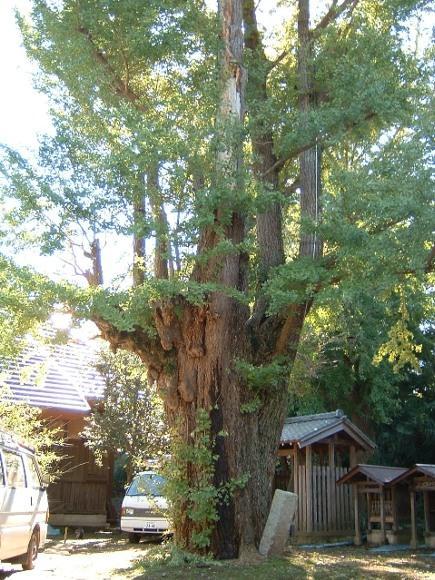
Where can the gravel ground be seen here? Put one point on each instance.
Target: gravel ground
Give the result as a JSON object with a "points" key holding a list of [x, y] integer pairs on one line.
{"points": [[102, 556], [108, 555]]}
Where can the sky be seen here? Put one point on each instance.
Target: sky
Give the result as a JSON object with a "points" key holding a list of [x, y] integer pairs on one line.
{"points": [[23, 111]]}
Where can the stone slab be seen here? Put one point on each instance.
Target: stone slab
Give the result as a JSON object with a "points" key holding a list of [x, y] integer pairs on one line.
{"points": [[276, 530]]}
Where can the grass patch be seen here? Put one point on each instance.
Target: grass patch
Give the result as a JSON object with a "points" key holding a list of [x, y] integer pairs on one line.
{"points": [[167, 561]]}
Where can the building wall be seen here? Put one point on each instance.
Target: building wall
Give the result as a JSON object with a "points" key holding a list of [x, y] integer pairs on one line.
{"points": [[81, 496]]}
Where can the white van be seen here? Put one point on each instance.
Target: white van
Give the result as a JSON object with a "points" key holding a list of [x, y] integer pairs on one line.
{"points": [[23, 504], [144, 506]]}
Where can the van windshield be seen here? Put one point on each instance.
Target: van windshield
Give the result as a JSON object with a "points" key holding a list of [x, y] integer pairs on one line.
{"points": [[147, 484]]}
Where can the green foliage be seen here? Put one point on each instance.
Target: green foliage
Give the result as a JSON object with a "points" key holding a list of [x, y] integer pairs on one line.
{"points": [[26, 300], [127, 94], [410, 437], [43, 435], [130, 419], [197, 498], [263, 377], [400, 348], [198, 503]]}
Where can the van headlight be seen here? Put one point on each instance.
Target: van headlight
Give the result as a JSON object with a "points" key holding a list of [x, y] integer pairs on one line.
{"points": [[126, 511]]}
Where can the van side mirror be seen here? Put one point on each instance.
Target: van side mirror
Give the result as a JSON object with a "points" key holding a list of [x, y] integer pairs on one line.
{"points": [[45, 482]]}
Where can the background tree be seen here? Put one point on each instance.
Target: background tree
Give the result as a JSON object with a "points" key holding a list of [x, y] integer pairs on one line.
{"points": [[46, 439], [130, 418], [409, 436], [273, 186]]}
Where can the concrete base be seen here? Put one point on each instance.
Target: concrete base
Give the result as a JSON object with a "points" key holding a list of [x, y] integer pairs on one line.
{"points": [[398, 537], [78, 520], [376, 537], [430, 540]]}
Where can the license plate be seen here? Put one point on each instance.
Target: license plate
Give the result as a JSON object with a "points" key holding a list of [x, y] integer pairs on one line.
{"points": [[149, 525]]}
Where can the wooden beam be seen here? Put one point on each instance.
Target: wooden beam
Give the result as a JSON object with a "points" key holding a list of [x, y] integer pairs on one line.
{"points": [[309, 487], [357, 539], [352, 456], [285, 452], [413, 522]]}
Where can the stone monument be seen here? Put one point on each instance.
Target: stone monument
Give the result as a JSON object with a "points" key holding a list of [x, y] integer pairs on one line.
{"points": [[276, 530]]}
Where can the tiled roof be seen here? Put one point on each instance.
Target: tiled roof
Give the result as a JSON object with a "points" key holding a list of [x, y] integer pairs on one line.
{"points": [[381, 474], [55, 376], [308, 429], [418, 469]]}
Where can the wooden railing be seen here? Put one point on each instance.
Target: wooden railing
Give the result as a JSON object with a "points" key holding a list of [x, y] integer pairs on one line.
{"points": [[323, 506]]}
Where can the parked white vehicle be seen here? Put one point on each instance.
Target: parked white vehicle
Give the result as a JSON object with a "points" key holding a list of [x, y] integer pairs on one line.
{"points": [[143, 507], [23, 504]]}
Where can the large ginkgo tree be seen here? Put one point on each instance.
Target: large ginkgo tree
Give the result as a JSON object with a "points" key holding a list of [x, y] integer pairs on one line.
{"points": [[255, 176]]}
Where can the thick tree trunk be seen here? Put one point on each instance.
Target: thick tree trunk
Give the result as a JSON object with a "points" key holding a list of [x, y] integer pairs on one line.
{"points": [[194, 357], [310, 159], [206, 343]]}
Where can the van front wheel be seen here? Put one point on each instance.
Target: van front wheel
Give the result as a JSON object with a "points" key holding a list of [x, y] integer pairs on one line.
{"points": [[32, 552], [134, 538]]}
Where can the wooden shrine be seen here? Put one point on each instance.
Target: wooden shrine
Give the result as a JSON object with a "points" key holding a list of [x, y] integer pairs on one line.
{"points": [[421, 479], [315, 451], [376, 483]]}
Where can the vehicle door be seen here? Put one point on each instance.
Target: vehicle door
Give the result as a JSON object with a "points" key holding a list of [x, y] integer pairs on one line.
{"points": [[37, 493], [16, 509], [3, 513]]}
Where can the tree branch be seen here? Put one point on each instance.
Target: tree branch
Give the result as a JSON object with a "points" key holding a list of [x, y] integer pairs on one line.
{"points": [[293, 153], [119, 85], [333, 14], [163, 263]]}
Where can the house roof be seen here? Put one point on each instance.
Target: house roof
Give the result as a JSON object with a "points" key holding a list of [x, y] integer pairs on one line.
{"points": [[308, 429], [380, 474], [418, 469], [55, 376]]}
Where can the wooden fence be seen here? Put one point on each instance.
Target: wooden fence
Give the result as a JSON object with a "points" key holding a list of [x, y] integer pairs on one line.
{"points": [[323, 506], [72, 497]]}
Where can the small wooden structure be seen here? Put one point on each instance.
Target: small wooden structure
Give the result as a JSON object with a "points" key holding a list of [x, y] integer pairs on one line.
{"points": [[421, 479], [316, 450], [377, 484], [61, 380]]}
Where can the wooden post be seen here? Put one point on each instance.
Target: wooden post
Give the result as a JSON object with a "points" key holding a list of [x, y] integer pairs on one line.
{"points": [[352, 456], [382, 514], [394, 508], [331, 487], [357, 539], [426, 513], [413, 522], [296, 485], [309, 487], [331, 454]]}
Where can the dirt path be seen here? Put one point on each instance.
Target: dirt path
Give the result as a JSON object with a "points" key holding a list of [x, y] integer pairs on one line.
{"points": [[104, 556]]}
